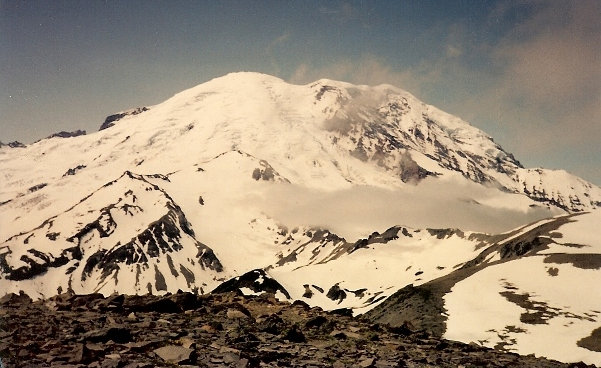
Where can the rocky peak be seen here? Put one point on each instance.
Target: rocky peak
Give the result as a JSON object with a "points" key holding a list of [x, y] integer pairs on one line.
{"points": [[64, 134], [14, 144], [112, 119]]}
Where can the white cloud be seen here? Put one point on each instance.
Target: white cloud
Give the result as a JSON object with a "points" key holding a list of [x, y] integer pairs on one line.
{"points": [[366, 69], [359, 211]]}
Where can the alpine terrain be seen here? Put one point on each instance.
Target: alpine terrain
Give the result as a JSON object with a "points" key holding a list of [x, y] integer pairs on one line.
{"points": [[339, 195]]}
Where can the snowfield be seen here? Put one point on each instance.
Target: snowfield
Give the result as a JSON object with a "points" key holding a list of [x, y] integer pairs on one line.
{"points": [[543, 304]]}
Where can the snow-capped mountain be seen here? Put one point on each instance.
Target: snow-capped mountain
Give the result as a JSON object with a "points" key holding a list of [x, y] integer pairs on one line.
{"points": [[337, 194]]}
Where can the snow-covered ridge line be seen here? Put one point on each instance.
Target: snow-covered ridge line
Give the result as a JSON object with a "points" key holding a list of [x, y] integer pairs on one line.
{"points": [[384, 126]]}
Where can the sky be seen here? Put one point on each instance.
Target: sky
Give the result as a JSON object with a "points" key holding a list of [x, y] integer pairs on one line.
{"points": [[528, 73]]}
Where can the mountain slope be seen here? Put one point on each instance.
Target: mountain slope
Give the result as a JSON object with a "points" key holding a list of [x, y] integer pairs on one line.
{"points": [[126, 236], [534, 290]]}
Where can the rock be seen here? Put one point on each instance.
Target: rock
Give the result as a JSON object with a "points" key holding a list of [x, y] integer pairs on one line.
{"points": [[294, 334], [112, 302], [111, 119], [256, 280], [229, 358], [64, 134], [186, 301], [14, 144], [343, 312], [119, 335], [145, 345], [236, 314], [111, 363], [317, 321], [301, 304], [243, 363], [308, 292], [338, 335], [367, 362], [212, 327], [97, 333], [162, 306], [140, 365], [14, 299], [243, 340], [336, 293], [405, 329], [77, 354], [176, 354], [187, 343], [273, 324]]}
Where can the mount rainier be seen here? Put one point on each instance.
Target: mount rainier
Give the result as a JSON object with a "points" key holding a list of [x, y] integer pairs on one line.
{"points": [[340, 195]]}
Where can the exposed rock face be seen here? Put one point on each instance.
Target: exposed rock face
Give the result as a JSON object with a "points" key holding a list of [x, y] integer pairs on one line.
{"points": [[111, 119], [63, 134], [255, 281], [14, 144], [196, 331]]}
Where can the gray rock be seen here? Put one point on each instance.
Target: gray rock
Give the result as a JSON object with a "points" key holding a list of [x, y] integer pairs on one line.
{"points": [[111, 363], [119, 335], [236, 314], [367, 362], [176, 354]]}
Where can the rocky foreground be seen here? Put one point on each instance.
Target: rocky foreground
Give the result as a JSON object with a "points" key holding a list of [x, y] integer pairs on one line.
{"points": [[219, 330]]}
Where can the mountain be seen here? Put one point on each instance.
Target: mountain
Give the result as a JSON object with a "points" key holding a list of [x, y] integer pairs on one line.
{"points": [[339, 195]]}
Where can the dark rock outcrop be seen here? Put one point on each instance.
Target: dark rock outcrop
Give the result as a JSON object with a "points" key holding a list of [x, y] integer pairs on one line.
{"points": [[256, 280], [64, 134], [111, 119], [14, 144]]}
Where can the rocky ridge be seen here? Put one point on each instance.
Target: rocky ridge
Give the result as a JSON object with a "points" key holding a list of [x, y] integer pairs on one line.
{"points": [[13, 144], [219, 330]]}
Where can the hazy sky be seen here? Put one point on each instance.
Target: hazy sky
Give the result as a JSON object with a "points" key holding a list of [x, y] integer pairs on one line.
{"points": [[526, 72]]}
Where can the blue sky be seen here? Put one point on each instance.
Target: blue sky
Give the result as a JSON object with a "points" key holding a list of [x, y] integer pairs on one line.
{"points": [[526, 72]]}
